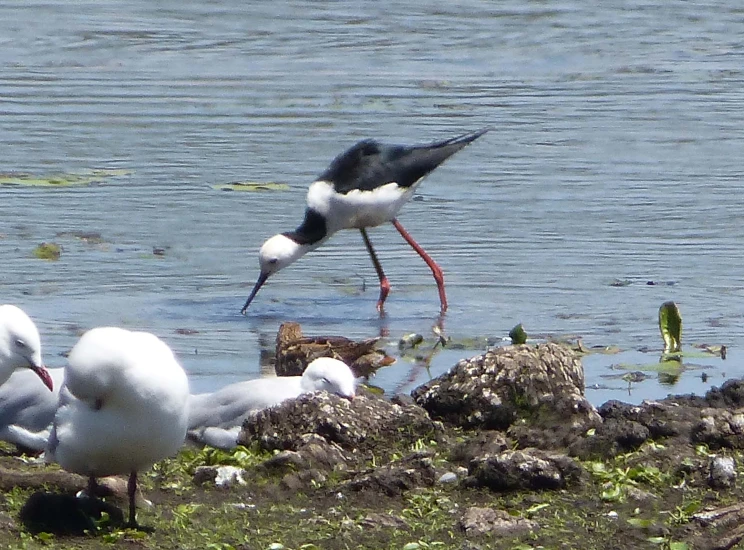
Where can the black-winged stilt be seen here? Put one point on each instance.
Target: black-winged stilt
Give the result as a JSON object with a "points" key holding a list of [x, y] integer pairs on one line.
{"points": [[363, 187]]}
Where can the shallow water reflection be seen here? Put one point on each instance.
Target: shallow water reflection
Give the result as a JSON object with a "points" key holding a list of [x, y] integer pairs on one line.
{"points": [[615, 156]]}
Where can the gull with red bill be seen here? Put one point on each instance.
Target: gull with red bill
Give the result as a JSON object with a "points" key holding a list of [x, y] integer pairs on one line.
{"points": [[20, 345]]}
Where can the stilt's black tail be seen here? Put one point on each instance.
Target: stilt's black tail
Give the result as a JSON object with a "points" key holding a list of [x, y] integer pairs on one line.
{"points": [[370, 164]]}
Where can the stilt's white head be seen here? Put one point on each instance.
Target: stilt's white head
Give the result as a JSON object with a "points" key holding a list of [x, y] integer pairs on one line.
{"points": [[275, 254]]}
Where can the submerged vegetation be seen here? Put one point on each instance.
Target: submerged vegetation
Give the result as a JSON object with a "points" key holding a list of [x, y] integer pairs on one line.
{"points": [[73, 179], [251, 186]]}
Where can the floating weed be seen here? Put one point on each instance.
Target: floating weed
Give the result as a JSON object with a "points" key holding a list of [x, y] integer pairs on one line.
{"points": [[251, 186], [86, 177], [475, 343], [48, 251]]}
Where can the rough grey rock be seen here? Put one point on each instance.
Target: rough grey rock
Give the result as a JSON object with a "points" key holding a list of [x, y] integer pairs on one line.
{"points": [[365, 422], [285, 460], [639, 495], [492, 390], [480, 443], [722, 472], [725, 523], [729, 396], [627, 427], [301, 480], [720, 428], [313, 452], [479, 521], [612, 438], [524, 469], [414, 470]]}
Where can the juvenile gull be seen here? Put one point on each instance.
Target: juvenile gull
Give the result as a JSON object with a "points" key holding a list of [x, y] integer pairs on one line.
{"points": [[123, 407], [216, 418]]}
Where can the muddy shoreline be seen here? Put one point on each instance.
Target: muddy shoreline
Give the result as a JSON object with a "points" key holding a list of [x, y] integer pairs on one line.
{"points": [[503, 451]]}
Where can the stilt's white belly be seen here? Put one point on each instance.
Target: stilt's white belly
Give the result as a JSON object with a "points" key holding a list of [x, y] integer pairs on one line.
{"points": [[357, 209]]}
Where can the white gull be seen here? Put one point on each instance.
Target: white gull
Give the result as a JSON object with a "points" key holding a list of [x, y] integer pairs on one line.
{"points": [[20, 345], [124, 406], [216, 418]]}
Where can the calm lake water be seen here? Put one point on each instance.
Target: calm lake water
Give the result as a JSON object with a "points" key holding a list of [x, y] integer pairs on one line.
{"points": [[616, 154]]}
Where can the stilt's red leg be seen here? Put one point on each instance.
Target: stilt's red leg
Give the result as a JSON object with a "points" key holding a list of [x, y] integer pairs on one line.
{"points": [[435, 269], [384, 283]]}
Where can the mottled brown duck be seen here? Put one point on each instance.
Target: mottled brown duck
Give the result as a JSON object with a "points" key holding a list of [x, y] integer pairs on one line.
{"points": [[295, 351]]}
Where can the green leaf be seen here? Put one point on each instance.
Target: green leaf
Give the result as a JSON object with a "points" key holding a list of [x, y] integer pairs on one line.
{"points": [[536, 508], [670, 325], [640, 523], [613, 494], [518, 335]]}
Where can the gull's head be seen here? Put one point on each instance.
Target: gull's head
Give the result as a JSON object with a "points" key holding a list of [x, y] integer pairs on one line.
{"points": [[20, 345], [330, 375], [275, 254]]}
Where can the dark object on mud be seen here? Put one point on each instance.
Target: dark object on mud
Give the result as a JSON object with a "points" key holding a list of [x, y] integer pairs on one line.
{"points": [[64, 514], [294, 352]]}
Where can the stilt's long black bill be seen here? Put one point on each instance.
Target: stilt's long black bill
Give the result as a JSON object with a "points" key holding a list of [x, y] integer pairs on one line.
{"points": [[261, 280]]}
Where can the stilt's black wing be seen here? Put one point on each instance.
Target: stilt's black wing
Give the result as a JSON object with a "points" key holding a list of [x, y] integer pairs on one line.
{"points": [[370, 164]]}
